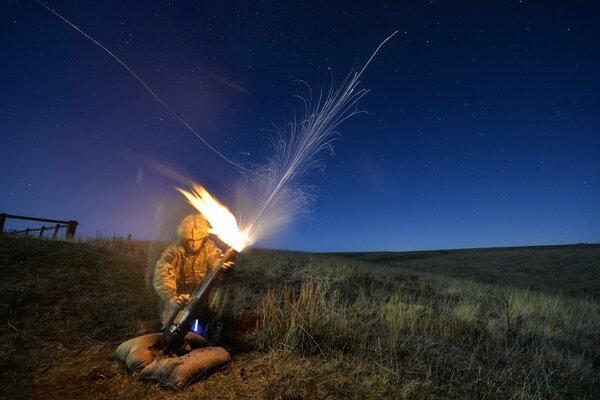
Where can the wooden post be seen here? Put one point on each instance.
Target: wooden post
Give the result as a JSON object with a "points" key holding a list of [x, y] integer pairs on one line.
{"points": [[2, 221], [55, 231], [71, 229], [42, 231]]}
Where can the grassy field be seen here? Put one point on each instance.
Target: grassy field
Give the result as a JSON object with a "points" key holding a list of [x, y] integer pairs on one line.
{"points": [[519, 323]]}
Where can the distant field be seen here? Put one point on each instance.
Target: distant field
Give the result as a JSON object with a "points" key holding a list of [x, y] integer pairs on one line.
{"points": [[518, 323], [573, 270]]}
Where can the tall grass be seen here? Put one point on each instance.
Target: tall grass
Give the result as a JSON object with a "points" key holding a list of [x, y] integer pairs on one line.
{"points": [[483, 340]]}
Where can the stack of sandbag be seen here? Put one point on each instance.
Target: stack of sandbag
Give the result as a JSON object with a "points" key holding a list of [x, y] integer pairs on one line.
{"points": [[195, 359]]}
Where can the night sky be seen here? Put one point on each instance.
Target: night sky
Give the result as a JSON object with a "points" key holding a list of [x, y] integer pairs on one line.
{"points": [[483, 124]]}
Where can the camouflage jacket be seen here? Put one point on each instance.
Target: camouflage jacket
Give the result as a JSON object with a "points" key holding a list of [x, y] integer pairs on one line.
{"points": [[177, 272]]}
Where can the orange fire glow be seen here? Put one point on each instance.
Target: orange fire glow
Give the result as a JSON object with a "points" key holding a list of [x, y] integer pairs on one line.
{"points": [[222, 221]]}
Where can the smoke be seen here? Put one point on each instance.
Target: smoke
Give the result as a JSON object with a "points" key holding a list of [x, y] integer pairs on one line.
{"points": [[275, 192]]}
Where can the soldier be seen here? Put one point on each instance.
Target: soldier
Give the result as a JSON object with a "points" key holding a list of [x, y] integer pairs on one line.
{"points": [[183, 265]]}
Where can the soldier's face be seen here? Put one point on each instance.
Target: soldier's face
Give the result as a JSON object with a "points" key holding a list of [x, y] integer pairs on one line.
{"points": [[192, 245]]}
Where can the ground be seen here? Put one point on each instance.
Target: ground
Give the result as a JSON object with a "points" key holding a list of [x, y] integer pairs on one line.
{"points": [[491, 323]]}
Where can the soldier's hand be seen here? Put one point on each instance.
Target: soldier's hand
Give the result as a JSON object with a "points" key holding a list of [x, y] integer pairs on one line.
{"points": [[228, 265], [180, 301], [232, 258]]}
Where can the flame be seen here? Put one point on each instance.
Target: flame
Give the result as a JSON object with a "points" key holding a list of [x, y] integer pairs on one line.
{"points": [[222, 221]]}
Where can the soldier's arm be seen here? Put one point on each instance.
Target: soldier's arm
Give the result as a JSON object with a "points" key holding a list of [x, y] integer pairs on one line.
{"points": [[165, 275]]}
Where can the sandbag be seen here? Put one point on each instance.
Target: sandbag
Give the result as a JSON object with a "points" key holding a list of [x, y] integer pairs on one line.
{"points": [[139, 352], [178, 372], [143, 354]]}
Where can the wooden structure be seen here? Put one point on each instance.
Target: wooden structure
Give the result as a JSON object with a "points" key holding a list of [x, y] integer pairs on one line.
{"points": [[71, 226]]}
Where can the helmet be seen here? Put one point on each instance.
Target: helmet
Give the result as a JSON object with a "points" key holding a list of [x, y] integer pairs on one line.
{"points": [[193, 227]]}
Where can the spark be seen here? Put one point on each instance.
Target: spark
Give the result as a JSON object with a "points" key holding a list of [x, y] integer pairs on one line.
{"points": [[297, 146]]}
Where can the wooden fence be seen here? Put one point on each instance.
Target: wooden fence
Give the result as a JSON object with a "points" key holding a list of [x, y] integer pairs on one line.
{"points": [[70, 226]]}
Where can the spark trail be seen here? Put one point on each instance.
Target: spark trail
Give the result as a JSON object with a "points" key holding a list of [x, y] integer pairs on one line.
{"points": [[148, 89], [296, 149]]}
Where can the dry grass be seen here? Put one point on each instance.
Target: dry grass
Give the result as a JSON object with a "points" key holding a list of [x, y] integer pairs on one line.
{"points": [[310, 326]]}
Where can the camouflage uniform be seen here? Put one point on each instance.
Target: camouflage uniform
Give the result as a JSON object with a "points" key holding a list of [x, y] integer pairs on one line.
{"points": [[178, 270]]}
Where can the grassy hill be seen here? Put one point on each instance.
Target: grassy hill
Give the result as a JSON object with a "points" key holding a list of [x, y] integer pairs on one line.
{"points": [[568, 269], [491, 323]]}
